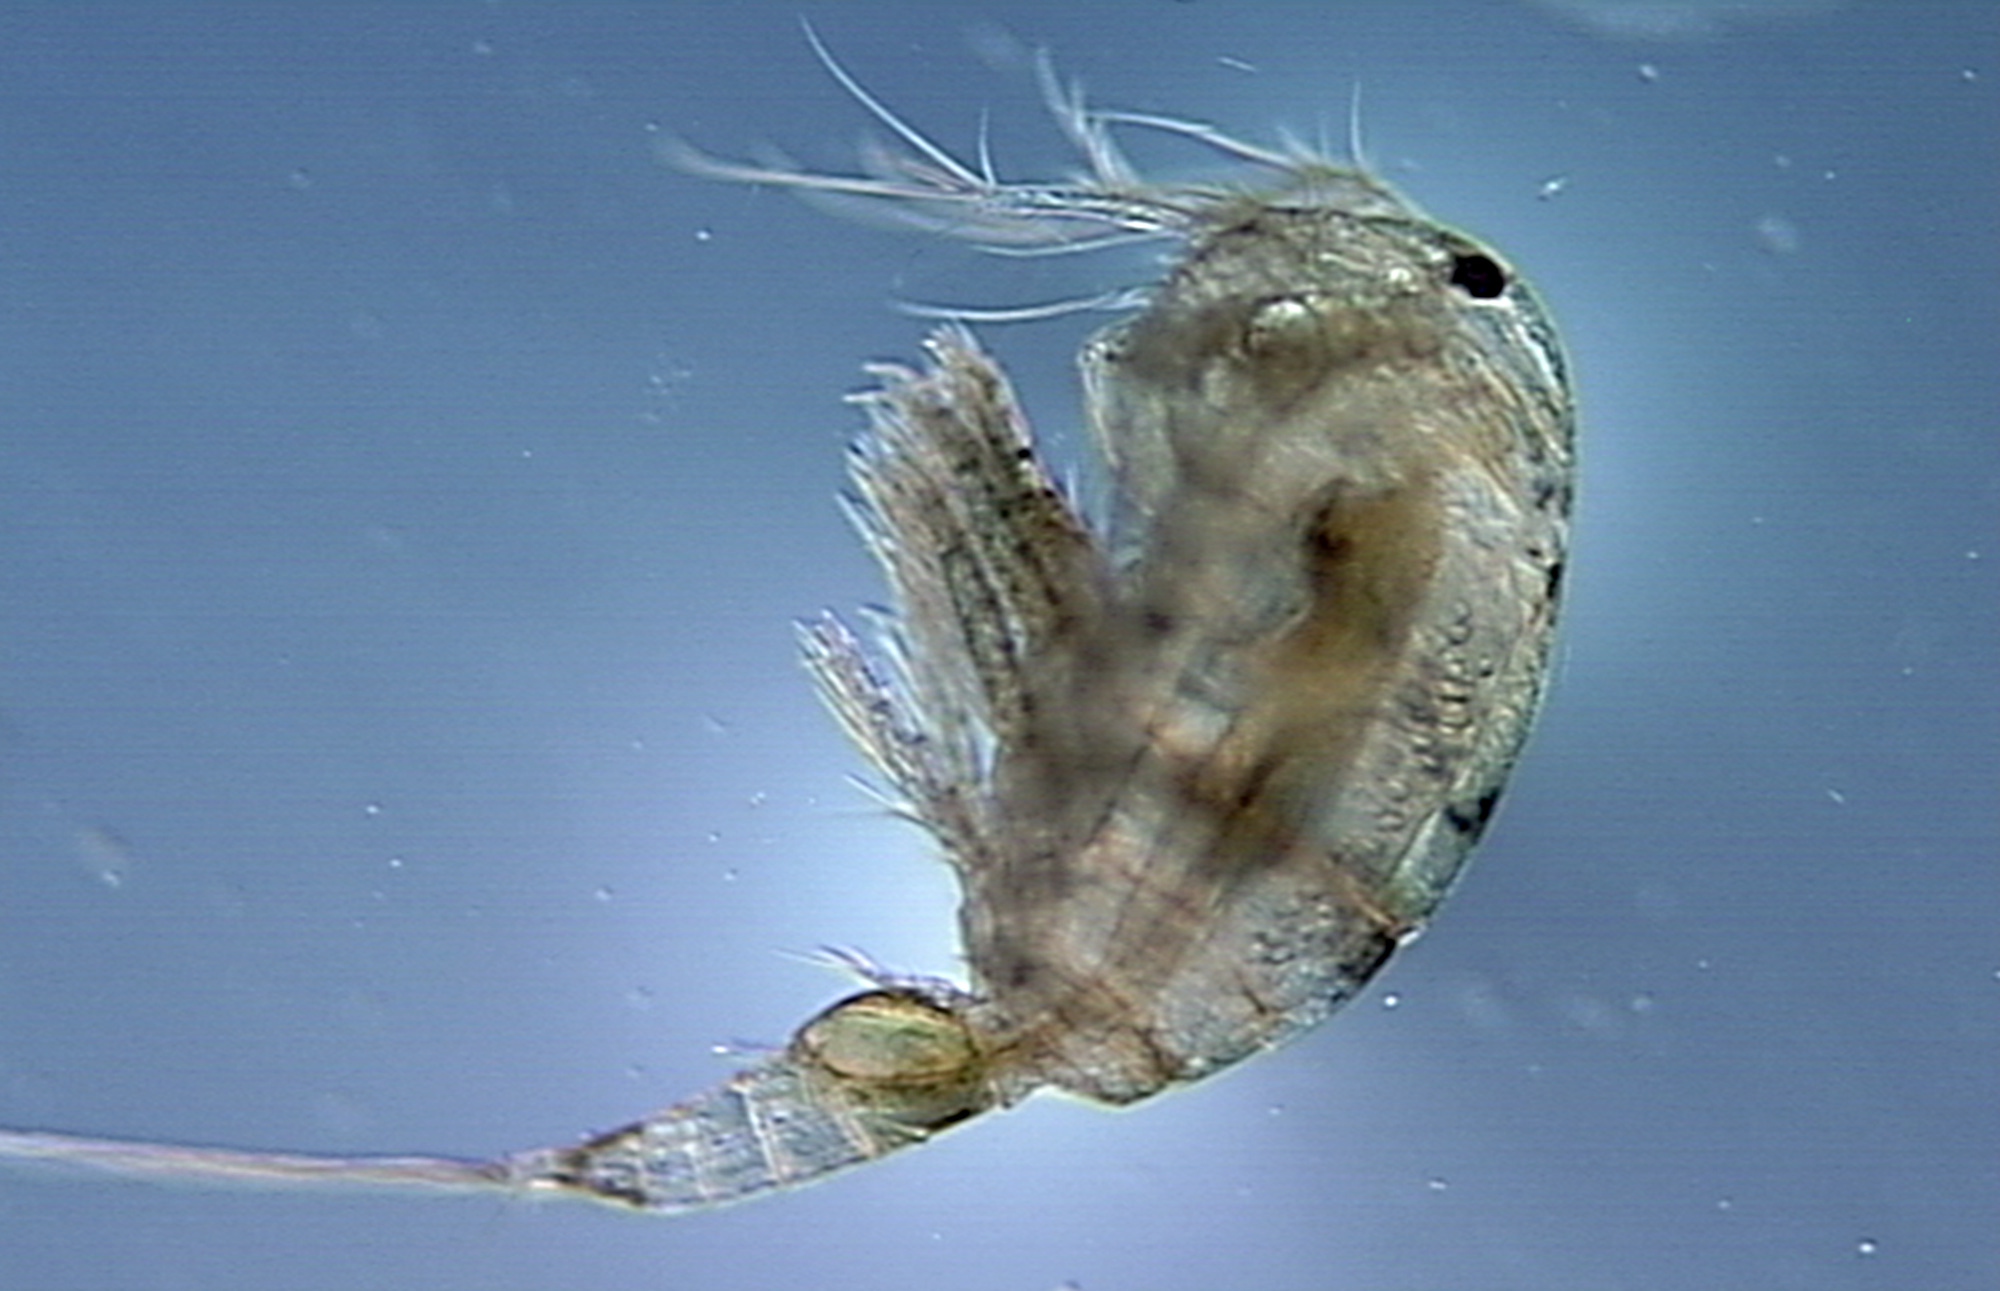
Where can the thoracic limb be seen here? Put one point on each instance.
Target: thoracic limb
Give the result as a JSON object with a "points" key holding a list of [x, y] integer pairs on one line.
{"points": [[996, 580]]}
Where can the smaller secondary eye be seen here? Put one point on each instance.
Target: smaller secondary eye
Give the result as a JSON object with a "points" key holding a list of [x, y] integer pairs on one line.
{"points": [[1478, 276]]}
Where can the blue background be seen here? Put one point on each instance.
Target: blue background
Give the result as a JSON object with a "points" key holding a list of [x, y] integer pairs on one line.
{"points": [[406, 483]]}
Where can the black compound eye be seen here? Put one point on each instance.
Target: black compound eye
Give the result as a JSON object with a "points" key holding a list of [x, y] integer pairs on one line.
{"points": [[1478, 276]]}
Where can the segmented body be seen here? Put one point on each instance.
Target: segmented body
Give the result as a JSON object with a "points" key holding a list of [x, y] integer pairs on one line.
{"points": [[1202, 763], [1202, 766]]}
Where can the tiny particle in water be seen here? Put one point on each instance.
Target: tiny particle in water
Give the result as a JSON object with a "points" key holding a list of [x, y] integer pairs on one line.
{"points": [[1777, 235], [105, 855]]}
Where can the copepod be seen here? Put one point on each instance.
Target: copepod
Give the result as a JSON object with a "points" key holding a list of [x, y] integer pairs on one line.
{"points": [[1201, 763]]}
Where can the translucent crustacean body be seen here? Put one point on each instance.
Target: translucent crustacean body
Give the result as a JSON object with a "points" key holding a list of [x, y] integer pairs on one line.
{"points": [[1199, 766]]}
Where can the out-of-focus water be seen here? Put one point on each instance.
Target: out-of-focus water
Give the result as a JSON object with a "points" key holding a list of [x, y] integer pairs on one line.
{"points": [[405, 484]]}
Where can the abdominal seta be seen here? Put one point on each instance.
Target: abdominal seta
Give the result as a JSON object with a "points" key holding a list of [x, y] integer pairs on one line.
{"points": [[1200, 763]]}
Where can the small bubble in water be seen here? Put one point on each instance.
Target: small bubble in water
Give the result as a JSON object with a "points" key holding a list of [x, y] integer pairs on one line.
{"points": [[1866, 1246]]}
